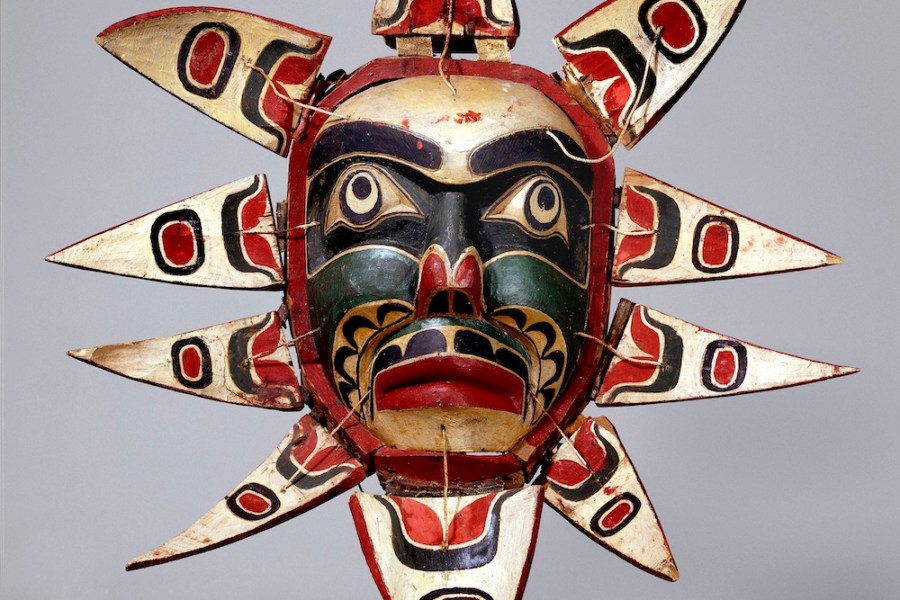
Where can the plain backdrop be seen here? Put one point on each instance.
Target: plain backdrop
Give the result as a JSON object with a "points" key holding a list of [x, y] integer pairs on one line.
{"points": [[786, 494]]}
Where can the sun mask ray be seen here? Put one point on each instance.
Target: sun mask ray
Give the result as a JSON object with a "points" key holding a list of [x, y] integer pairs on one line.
{"points": [[226, 64], [243, 362], [609, 49], [665, 235], [592, 483], [306, 469], [658, 358], [479, 549], [225, 237]]}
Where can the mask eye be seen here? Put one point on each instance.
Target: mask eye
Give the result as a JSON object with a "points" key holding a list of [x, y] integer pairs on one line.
{"points": [[535, 205], [365, 195]]}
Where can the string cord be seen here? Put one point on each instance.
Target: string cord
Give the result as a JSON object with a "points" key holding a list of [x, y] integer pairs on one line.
{"points": [[281, 92], [445, 52], [304, 468], [637, 361]]}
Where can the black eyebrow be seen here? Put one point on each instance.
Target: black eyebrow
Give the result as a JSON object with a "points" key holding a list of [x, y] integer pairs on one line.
{"points": [[374, 138], [535, 145]]}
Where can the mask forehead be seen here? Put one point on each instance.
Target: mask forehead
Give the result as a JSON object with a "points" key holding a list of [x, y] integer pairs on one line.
{"points": [[481, 111]]}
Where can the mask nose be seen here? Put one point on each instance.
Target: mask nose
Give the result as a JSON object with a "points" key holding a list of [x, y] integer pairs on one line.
{"points": [[446, 289]]}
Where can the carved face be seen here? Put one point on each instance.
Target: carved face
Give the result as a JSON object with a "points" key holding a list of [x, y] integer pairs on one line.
{"points": [[448, 267]]}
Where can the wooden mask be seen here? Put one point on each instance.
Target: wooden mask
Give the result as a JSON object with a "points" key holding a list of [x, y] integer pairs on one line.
{"points": [[446, 250]]}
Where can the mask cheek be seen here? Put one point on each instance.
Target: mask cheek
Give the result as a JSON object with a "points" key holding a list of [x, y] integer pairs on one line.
{"points": [[531, 298], [361, 277]]}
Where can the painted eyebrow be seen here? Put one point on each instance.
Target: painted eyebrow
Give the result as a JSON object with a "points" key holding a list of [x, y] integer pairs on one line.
{"points": [[529, 147], [374, 138]]}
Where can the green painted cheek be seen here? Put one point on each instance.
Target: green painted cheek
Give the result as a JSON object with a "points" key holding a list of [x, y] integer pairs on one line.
{"points": [[524, 281], [356, 278]]}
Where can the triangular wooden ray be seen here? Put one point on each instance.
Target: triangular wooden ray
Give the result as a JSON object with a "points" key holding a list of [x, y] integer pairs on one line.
{"points": [[243, 362], [666, 235], [221, 238], [627, 79], [227, 64], [659, 358], [592, 483], [306, 469], [480, 548]]}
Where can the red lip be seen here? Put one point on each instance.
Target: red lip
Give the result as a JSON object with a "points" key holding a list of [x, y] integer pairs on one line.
{"points": [[449, 381]]}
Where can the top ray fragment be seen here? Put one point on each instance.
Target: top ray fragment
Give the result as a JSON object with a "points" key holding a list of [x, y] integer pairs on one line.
{"points": [[629, 61]]}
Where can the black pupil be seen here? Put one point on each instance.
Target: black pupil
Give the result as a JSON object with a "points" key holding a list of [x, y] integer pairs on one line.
{"points": [[546, 198], [362, 187]]}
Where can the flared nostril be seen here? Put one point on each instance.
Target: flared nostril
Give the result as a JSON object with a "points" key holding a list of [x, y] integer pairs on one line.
{"points": [[450, 303]]}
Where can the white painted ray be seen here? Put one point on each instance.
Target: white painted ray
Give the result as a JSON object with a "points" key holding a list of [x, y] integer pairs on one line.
{"points": [[306, 469], [690, 31], [658, 358], [479, 548], [223, 63], [242, 362], [665, 235], [221, 238], [592, 483]]}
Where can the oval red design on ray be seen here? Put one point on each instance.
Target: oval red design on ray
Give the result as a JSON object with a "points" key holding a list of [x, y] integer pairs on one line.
{"points": [[678, 28], [725, 365], [254, 503], [716, 249], [179, 246], [191, 362], [207, 56], [616, 515]]}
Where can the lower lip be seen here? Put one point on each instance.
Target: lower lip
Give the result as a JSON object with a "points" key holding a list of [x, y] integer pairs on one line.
{"points": [[448, 382]]}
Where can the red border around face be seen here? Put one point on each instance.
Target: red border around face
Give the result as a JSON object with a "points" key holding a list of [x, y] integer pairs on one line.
{"points": [[313, 368]]}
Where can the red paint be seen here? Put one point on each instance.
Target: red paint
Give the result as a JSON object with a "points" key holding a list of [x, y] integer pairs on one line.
{"points": [[468, 117], [179, 246], [468, 14], [449, 381], [277, 379], [469, 523], [191, 362], [601, 65], [611, 490], [443, 119], [419, 145], [647, 339], [207, 55], [405, 123], [678, 29], [416, 470], [616, 515], [309, 455], [291, 70], [433, 276], [469, 278], [423, 13], [642, 212], [424, 526], [421, 524], [725, 367], [716, 247], [567, 473], [254, 503], [590, 448], [257, 249]]}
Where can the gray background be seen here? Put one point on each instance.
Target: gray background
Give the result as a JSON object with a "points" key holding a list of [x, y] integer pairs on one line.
{"points": [[786, 494]]}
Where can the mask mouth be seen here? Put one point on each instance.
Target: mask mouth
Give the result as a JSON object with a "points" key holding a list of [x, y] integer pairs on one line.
{"points": [[451, 363]]}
